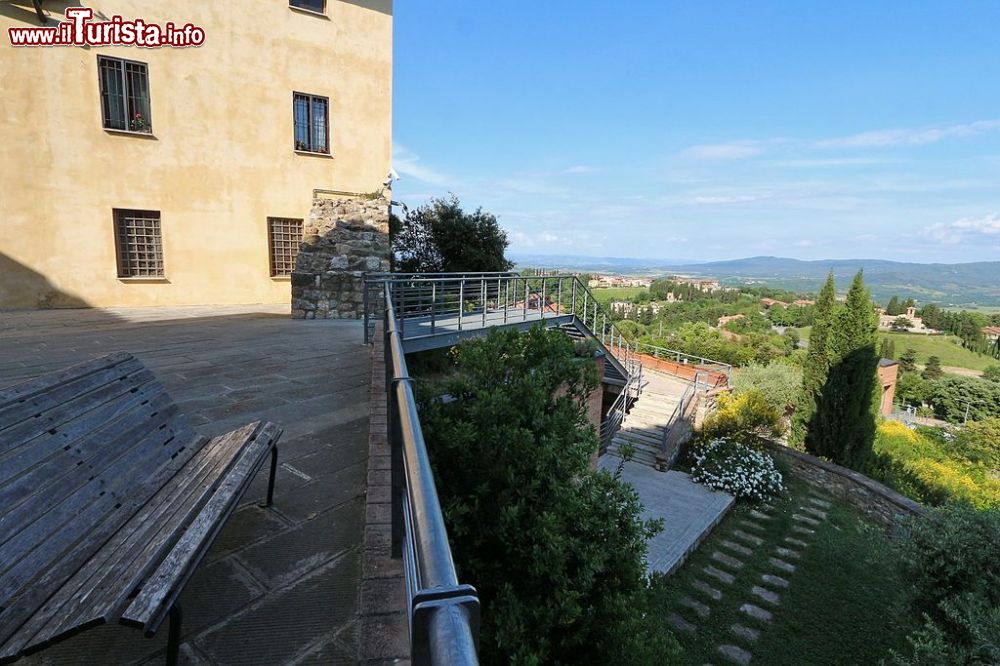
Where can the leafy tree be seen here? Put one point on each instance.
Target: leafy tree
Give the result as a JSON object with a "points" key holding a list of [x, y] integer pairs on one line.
{"points": [[555, 548], [843, 425], [933, 368], [440, 237], [979, 442], [817, 363], [894, 308], [908, 360], [953, 397], [912, 389], [901, 324], [992, 373], [887, 348]]}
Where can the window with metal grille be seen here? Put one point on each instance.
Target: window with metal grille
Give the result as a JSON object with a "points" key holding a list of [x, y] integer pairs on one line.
{"points": [[124, 94], [138, 242], [318, 6], [284, 235], [312, 126]]}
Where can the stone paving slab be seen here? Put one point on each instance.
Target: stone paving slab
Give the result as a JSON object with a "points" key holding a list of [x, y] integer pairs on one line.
{"points": [[280, 585], [689, 510]]}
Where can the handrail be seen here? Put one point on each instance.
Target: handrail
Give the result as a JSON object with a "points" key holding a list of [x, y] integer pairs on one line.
{"points": [[682, 357], [678, 414], [443, 615], [428, 304]]}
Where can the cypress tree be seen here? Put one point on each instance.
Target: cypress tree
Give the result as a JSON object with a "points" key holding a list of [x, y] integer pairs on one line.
{"points": [[843, 427], [817, 364]]}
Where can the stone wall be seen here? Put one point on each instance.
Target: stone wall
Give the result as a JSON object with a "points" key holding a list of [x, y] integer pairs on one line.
{"points": [[341, 240], [880, 503]]}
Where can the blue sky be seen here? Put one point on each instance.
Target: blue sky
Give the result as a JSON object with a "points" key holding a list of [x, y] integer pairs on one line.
{"points": [[708, 130]]}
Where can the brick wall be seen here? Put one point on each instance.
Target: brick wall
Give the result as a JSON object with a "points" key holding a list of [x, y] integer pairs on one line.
{"points": [[384, 635]]}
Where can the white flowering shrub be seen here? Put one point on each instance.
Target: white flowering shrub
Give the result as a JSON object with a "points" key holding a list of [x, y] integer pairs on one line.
{"points": [[724, 464]]}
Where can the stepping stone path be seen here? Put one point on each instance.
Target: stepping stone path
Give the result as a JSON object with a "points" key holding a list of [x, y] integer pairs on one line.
{"points": [[749, 538], [776, 581], [737, 655], [679, 623], [719, 575], [700, 609], [733, 554], [765, 594], [742, 550], [707, 590], [745, 633], [728, 560]]}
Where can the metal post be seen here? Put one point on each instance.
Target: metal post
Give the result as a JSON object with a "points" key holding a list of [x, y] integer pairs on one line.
{"points": [[482, 297], [433, 306], [573, 306], [174, 635], [559, 297], [604, 325], [461, 301], [541, 304], [270, 480], [524, 315], [585, 294]]}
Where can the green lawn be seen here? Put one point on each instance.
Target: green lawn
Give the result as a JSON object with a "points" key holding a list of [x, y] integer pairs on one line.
{"points": [[846, 602], [609, 294], [945, 347]]}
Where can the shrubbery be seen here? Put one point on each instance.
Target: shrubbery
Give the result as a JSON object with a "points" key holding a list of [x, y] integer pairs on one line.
{"points": [[747, 417], [953, 560], [555, 548], [925, 466], [779, 383], [737, 469]]}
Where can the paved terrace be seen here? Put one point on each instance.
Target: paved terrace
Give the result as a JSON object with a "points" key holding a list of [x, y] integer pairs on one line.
{"points": [[280, 585]]}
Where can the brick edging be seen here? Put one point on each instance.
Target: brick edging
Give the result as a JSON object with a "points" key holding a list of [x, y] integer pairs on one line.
{"points": [[383, 627]]}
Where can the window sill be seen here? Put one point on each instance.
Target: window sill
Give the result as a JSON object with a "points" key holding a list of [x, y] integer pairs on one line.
{"points": [[143, 279], [281, 278], [142, 135], [310, 12], [311, 153]]}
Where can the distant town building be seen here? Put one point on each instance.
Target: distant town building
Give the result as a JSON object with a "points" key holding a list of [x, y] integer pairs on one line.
{"points": [[768, 303], [887, 322], [711, 286], [803, 302], [728, 318], [608, 281], [992, 333]]}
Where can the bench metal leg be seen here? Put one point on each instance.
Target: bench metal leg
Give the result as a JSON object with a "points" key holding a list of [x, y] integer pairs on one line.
{"points": [[174, 635], [270, 481]]}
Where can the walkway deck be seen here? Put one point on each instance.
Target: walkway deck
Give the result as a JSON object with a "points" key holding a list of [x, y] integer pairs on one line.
{"points": [[280, 585], [689, 510]]}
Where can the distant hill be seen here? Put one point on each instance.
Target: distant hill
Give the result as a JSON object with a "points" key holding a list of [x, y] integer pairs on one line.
{"points": [[970, 284]]}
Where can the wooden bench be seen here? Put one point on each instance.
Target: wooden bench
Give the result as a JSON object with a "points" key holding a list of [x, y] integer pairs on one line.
{"points": [[108, 501]]}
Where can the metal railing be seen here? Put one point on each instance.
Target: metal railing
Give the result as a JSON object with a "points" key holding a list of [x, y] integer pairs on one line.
{"points": [[681, 358], [687, 399], [443, 614], [428, 305], [615, 416]]}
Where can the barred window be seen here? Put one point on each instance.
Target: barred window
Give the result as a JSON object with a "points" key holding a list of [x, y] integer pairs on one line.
{"points": [[312, 126], [284, 236], [124, 94], [318, 6], [138, 243]]}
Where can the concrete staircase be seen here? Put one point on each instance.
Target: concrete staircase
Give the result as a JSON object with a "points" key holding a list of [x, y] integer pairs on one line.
{"points": [[646, 423]]}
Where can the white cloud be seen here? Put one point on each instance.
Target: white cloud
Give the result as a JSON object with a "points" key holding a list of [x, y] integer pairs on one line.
{"points": [[909, 136], [409, 165], [986, 228], [737, 150]]}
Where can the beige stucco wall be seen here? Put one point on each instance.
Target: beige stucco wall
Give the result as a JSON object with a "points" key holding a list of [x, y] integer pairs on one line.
{"points": [[220, 160]]}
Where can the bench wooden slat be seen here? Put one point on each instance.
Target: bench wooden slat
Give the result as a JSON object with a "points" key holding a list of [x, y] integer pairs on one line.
{"points": [[100, 589], [150, 606], [106, 494], [47, 382], [92, 480], [100, 499], [61, 464], [71, 556], [20, 436], [17, 411]]}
